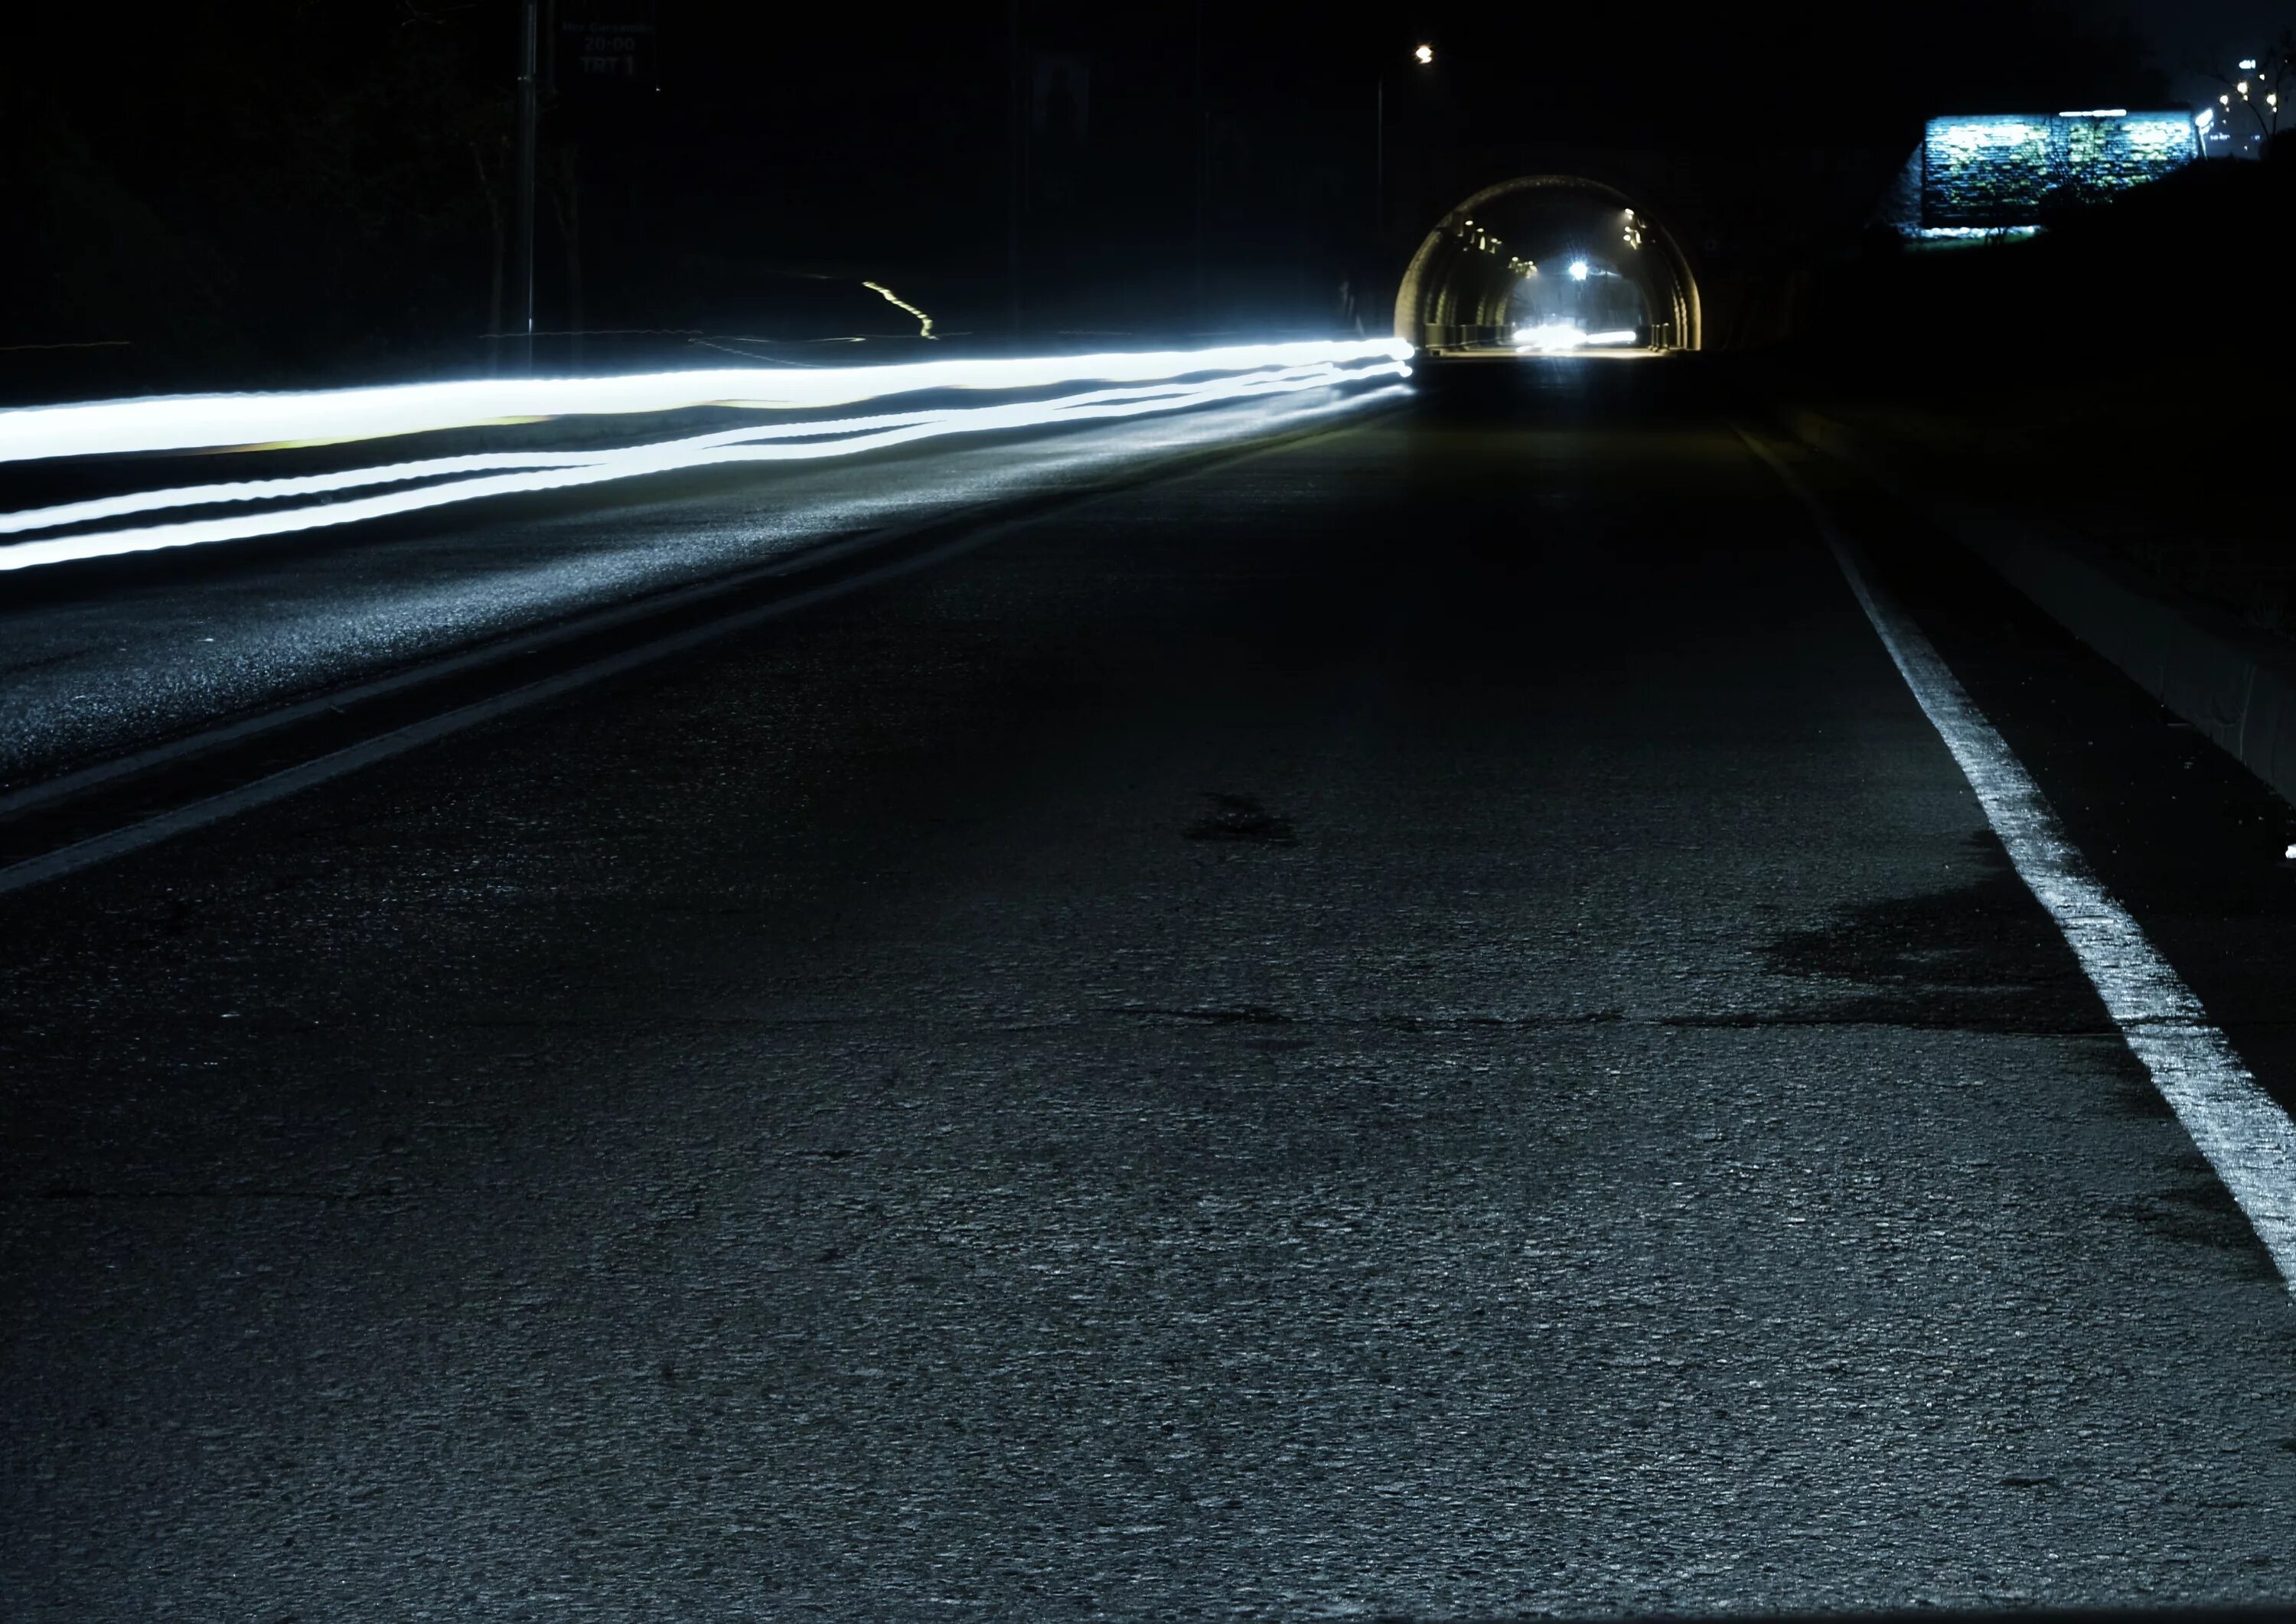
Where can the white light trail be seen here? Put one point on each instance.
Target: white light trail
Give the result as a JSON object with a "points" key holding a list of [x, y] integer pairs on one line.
{"points": [[924, 321], [470, 478], [190, 423], [1550, 336]]}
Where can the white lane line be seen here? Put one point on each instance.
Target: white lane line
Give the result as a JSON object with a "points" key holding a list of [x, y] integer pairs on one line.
{"points": [[2245, 1136]]}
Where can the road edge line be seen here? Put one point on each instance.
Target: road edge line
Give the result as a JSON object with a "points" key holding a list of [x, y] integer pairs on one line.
{"points": [[2246, 1136], [2230, 683]]}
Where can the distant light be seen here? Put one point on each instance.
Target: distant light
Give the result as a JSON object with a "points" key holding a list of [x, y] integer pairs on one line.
{"points": [[1955, 233], [1970, 136], [1549, 336], [2095, 113], [1621, 336], [1577, 270], [2248, 64], [2225, 99], [925, 330], [2159, 135], [2242, 87], [1424, 56]]}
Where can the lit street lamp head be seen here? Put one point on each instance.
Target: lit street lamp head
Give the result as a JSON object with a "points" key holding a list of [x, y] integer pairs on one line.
{"points": [[1424, 56]]}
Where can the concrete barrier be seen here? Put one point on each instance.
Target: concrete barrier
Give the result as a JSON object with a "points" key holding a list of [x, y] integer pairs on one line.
{"points": [[2232, 682]]}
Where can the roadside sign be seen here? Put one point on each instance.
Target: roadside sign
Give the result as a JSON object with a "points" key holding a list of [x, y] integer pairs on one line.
{"points": [[607, 45]]}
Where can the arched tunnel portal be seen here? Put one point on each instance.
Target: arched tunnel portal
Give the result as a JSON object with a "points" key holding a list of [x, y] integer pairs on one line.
{"points": [[1542, 258]]}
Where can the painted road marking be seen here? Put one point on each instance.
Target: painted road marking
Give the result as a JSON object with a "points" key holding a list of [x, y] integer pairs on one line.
{"points": [[2246, 1136]]}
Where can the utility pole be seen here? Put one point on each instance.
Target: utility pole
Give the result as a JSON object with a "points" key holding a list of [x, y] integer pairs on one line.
{"points": [[528, 113], [1015, 134], [1379, 163], [1203, 160]]}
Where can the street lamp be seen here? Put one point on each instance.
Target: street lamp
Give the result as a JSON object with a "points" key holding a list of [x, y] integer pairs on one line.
{"points": [[1424, 56]]}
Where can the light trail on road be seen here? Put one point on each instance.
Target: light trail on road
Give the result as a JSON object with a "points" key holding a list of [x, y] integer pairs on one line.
{"points": [[439, 482], [193, 422]]}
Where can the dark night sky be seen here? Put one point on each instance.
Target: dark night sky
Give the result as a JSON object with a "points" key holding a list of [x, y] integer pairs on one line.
{"points": [[309, 182]]}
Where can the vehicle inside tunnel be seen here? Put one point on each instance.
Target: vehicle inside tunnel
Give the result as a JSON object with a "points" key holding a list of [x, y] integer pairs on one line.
{"points": [[1548, 264]]}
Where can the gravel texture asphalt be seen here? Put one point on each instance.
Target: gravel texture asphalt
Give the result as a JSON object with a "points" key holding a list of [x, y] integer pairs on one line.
{"points": [[96, 658], [1413, 1024]]}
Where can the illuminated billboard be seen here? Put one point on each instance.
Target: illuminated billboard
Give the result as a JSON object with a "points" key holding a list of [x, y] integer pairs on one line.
{"points": [[2005, 171]]}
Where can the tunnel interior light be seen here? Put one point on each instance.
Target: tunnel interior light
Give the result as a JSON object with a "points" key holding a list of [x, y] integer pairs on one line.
{"points": [[2095, 112], [1547, 338], [2205, 116], [2248, 64]]}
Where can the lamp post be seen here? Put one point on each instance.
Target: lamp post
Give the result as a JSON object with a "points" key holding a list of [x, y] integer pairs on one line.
{"points": [[528, 97], [1424, 56], [1015, 153]]}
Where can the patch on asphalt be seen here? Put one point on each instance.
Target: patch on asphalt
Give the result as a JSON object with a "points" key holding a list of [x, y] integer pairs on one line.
{"points": [[2198, 1211], [1248, 1014], [1241, 819], [1983, 956]]}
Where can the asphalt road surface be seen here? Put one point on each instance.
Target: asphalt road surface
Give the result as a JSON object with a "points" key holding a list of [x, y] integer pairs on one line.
{"points": [[1412, 1023]]}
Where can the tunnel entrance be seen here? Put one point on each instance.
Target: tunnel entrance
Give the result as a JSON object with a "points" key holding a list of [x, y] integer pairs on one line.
{"points": [[1548, 264]]}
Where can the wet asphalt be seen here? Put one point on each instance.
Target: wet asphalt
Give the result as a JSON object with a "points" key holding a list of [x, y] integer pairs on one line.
{"points": [[1415, 1024]]}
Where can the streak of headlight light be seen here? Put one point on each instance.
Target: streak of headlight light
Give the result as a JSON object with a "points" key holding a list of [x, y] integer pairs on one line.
{"points": [[94, 510], [1626, 336], [674, 456], [924, 321], [185, 423]]}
